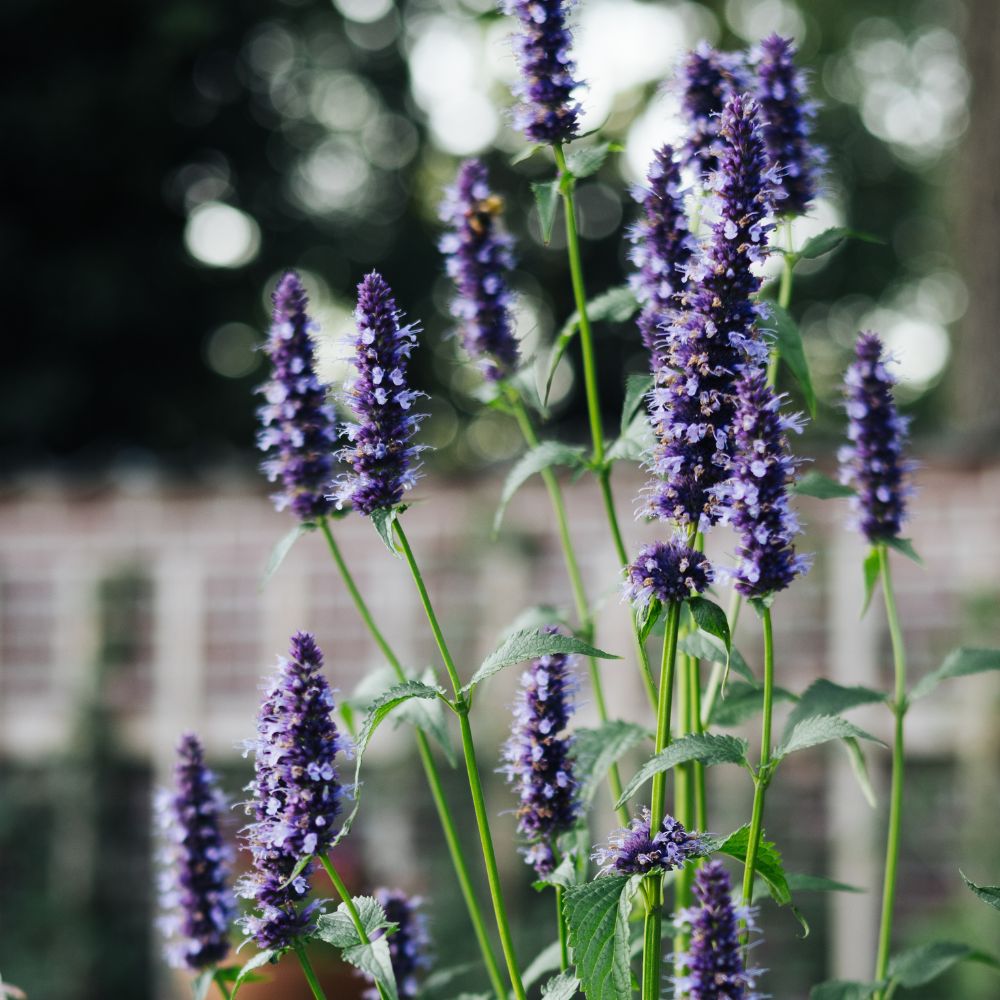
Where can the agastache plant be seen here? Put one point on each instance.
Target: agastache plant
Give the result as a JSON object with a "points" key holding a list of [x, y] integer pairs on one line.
{"points": [[633, 850], [707, 81], [667, 571]]}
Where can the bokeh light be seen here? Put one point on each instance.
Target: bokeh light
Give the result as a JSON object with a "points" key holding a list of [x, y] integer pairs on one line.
{"points": [[219, 235]]}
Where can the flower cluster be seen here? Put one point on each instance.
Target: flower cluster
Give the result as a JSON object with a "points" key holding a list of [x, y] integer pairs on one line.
{"points": [[409, 944], [873, 462], [788, 123], [538, 763], [666, 571], [298, 426], [756, 497], [478, 258], [296, 792], [380, 448], [708, 79], [632, 851], [714, 337], [196, 901], [547, 112]]}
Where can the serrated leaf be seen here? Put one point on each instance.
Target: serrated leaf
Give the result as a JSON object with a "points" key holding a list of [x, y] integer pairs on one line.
{"points": [[823, 697], [819, 729], [597, 918], [428, 716], [743, 701], [547, 201], [832, 238], [703, 646], [815, 484], [542, 456], [842, 989], [530, 644], [636, 444], [282, 548], [547, 960], [562, 987], [798, 882], [259, 960], [769, 865], [871, 568], [905, 546], [958, 663], [926, 962], [708, 748], [595, 750], [987, 893], [637, 387], [587, 160], [788, 341], [384, 518], [372, 958]]}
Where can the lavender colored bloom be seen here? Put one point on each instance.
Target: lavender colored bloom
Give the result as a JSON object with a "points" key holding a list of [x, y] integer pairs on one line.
{"points": [[409, 945], [714, 337], [538, 763], [788, 123], [708, 79], [296, 792], [662, 246], [631, 851], [379, 448], [667, 571], [873, 462], [547, 112], [756, 497], [478, 259], [298, 426], [715, 958], [197, 904]]}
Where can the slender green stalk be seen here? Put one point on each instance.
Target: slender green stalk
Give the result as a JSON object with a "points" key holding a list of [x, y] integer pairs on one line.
{"points": [[684, 791], [461, 706], [784, 299], [455, 849], [563, 935], [899, 708], [652, 930], [763, 775], [700, 803], [317, 990]]}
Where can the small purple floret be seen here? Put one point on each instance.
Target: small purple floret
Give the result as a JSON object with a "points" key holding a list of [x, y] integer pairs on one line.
{"points": [[409, 945], [667, 571], [708, 79], [631, 851]]}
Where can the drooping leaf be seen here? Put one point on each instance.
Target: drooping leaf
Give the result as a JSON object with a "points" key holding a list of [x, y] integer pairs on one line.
{"points": [[636, 389], [798, 882], [595, 750], [815, 484], [871, 567], [246, 974], [926, 962], [373, 958], [823, 697], [708, 748], [842, 989], [542, 456], [282, 548], [788, 341], [769, 864], [562, 987], [712, 619], [587, 160], [819, 729], [547, 960], [743, 701], [703, 646], [647, 618], [860, 768], [428, 716], [987, 893], [905, 546], [832, 238], [384, 518], [958, 663], [547, 201]]}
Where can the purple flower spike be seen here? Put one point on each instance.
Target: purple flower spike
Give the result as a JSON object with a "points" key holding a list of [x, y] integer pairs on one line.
{"points": [[538, 763], [667, 571], [788, 123], [756, 497], [547, 112], [631, 851], [409, 945], [714, 336], [478, 259], [379, 448], [708, 79], [662, 247], [296, 792], [298, 427], [715, 958], [873, 462], [197, 904]]}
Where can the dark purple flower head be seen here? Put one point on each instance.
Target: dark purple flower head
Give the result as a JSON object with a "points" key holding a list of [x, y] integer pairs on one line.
{"points": [[547, 112], [667, 571], [662, 246], [873, 462], [714, 336], [197, 904], [714, 960], [631, 851], [478, 259], [409, 945], [538, 763], [756, 498], [298, 426], [380, 448], [788, 123]]}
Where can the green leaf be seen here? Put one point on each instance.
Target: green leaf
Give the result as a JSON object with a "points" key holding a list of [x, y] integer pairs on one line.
{"points": [[842, 989], [926, 962], [547, 200], [637, 387], [597, 915], [832, 238], [440, 978], [428, 716], [384, 518], [245, 975], [282, 548], [563, 875], [815, 484], [788, 341], [860, 768], [647, 618], [819, 729], [547, 960], [529, 644], [709, 748], [710, 618], [958, 663], [562, 987], [201, 985], [524, 154], [373, 958], [823, 697], [817, 883], [905, 545], [703, 646], [872, 567], [636, 444], [987, 893], [595, 750], [741, 702], [542, 456], [769, 864], [587, 160]]}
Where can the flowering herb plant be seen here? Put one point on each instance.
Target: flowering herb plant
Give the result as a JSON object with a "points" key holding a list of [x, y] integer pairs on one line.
{"points": [[714, 433]]}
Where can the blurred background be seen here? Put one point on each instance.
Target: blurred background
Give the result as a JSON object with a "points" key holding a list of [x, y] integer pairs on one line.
{"points": [[165, 161]]}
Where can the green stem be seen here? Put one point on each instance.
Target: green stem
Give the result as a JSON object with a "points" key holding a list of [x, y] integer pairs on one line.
{"points": [[899, 709], [563, 936], [651, 936], [784, 299], [317, 990], [461, 706], [684, 790], [719, 669], [455, 849], [700, 804], [763, 775]]}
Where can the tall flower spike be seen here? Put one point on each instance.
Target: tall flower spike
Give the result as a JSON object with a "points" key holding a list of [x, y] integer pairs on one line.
{"points": [[662, 246], [196, 901], [632, 851], [380, 448], [298, 427], [873, 462], [666, 571], [478, 259], [538, 763], [547, 112], [707, 80], [409, 945], [714, 337], [788, 123], [714, 961], [756, 497]]}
